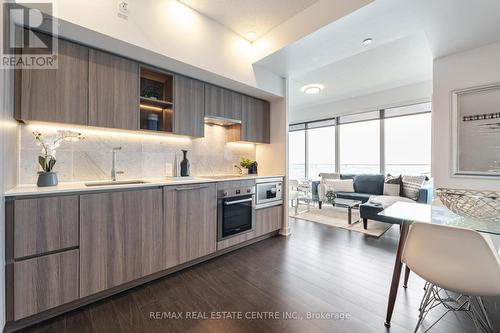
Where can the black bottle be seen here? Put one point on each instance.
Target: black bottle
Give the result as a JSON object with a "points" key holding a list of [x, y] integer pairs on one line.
{"points": [[184, 164]]}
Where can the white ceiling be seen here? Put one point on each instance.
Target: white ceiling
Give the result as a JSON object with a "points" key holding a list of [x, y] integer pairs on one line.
{"points": [[407, 36], [398, 63], [241, 16]]}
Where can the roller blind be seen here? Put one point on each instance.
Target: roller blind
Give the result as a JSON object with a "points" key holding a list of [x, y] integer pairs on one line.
{"points": [[408, 110]]}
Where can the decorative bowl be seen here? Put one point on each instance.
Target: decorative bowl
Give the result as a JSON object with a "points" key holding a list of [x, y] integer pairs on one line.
{"points": [[472, 203]]}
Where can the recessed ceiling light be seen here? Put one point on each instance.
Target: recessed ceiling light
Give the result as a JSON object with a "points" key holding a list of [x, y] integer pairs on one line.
{"points": [[312, 89], [367, 41], [251, 35]]}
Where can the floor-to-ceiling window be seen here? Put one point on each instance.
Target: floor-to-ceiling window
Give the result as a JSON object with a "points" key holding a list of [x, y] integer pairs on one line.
{"points": [[395, 140], [359, 145], [408, 140], [320, 148], [297, 154]]}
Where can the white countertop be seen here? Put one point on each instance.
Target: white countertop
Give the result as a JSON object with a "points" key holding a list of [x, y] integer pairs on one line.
{"points": [[70, 187]]}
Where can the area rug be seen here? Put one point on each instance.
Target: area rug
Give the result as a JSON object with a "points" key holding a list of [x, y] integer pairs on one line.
{"points": [[337, 217]]}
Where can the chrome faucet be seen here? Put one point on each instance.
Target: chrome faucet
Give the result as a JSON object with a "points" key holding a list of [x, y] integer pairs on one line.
{"points": [[113, 166], [240, 170]]}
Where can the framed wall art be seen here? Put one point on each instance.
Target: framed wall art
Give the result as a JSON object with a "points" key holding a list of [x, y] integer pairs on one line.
{"points": [[476, 131]]}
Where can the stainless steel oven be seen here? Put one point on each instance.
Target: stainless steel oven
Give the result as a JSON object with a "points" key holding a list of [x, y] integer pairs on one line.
{"points": [[235, 211], [269, 192]]}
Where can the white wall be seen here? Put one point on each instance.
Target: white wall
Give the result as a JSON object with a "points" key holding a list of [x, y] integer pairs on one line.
{"points": [[8, 167], [273, 157], [467, 69], [8, 160], [167, 34], [170, 29], [415, 93]]}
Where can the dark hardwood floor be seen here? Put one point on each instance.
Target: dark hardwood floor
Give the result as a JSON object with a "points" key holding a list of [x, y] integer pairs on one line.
{"points": [[319, 269]]}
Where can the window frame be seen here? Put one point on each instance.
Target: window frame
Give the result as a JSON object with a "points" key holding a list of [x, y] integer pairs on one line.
{"points": [[357, 117]]}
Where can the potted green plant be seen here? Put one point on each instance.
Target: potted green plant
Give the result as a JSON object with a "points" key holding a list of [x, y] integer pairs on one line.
{"points": [[47, 160], [248, 164]]}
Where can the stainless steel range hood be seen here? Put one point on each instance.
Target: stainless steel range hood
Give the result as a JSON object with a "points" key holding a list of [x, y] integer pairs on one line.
{"points": [[221, 121]]}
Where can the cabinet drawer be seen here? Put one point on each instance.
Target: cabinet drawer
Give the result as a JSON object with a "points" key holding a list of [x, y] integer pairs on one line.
{"points": [[45, 224], [235, 183], [268, 220], [45, 282]]}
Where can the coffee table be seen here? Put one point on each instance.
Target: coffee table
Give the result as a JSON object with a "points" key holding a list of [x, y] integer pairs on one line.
{"points": [[349, 204]]}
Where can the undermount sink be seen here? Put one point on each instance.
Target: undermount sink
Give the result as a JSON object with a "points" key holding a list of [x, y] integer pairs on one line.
{"points": [[178, 179], [116, 182]]}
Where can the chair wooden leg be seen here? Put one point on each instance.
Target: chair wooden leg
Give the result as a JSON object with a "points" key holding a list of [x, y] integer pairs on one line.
{"points": [[407, 275]]}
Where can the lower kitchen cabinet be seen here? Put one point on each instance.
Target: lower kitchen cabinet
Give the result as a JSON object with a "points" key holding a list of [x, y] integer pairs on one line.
{"points": [[63, 248], [268, 220], [191, 222], [44, 225], [121, 238], [45, 282]]}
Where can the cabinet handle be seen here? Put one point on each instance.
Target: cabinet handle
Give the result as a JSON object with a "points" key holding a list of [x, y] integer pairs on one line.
{"points": [[191, 188], [229, 203]]}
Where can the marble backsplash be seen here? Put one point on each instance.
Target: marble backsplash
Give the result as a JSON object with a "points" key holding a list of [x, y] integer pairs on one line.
{"points": [[141, 156]]}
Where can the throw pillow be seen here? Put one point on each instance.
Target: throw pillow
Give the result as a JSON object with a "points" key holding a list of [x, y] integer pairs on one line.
{"points": [[340, 185], [411, 186], [330, 196], [392, 185], [328, 175]]}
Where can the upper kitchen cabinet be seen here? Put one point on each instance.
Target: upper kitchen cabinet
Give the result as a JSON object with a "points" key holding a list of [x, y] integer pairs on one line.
{"points": [[255, 123], [113, 91], [223, 103], [189, 106], [55, 95], [157, 92]]}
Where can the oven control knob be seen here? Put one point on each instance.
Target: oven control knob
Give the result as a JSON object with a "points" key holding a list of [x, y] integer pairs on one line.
{"points": [[225, 193], [249, 190]]}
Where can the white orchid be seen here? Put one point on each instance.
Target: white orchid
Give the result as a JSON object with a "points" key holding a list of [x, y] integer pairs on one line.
{"points": [[50, 144]]}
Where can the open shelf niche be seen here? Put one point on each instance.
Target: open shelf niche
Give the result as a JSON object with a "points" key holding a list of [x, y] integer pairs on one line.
{"points": [[156, 100]]}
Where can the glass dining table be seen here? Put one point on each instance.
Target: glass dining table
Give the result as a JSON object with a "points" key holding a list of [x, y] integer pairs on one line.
{"points": [[414, 212]]}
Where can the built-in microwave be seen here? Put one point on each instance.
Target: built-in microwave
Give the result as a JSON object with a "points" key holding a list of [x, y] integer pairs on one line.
{"points": [[269, 192]]}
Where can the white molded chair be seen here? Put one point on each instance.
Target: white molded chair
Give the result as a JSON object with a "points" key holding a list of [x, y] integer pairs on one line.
{"points": [[300, 190], [453, 259], [293, 193]]}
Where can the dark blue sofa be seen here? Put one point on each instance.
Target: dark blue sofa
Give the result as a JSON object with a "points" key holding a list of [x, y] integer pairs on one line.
{"points": [[368, 185]]}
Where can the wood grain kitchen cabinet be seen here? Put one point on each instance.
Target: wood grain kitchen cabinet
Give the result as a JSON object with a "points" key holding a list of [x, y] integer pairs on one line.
{"points": [[55, 95], [45, 224], [223, 103], [255, 122], [113, 91], [191, 222], [268, 220], [189, 107], [121, 238], [45, 282]]}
